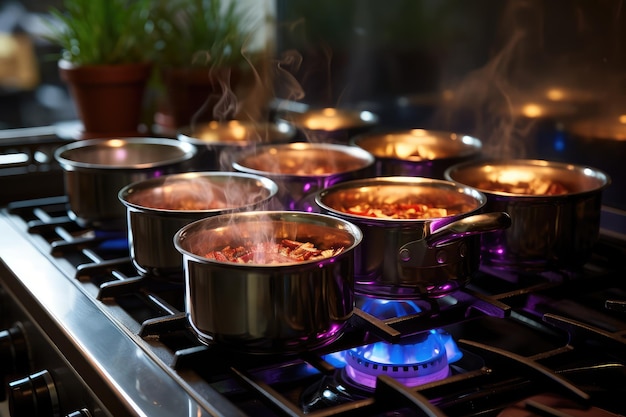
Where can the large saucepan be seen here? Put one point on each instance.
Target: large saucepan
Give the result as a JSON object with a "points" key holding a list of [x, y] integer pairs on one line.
{"points": [[262, 307], [420, 235], [96, 169], [555, 211], [157, 208]]}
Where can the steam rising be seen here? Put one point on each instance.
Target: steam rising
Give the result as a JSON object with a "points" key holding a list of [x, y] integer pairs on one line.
{"points": [[529, 81]]}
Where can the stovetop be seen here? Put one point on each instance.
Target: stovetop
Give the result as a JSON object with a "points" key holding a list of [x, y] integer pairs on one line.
{"points": [[544, 343]]}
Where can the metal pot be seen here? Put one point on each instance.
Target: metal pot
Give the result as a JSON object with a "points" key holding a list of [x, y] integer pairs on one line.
{"points": [[96, 169], [217, 142], [158, 207], [415, 257], [268, 308], [332, 125], [549, 231], [417, 152], [301, 169]]}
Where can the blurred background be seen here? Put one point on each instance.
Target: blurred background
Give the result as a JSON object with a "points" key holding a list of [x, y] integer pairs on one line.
{"points": [[390, 56]]}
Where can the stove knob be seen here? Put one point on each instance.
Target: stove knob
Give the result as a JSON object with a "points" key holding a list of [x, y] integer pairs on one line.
{"points": [[34, 396], [14, 357], [80, 413]]}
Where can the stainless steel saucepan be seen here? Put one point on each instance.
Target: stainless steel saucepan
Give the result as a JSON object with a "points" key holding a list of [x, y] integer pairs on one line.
{"points": [[555, 211], [267, 306], [421, 236]]}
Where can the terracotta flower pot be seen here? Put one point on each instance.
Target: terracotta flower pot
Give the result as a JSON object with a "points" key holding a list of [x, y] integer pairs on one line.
{"points": [[109, 98]]}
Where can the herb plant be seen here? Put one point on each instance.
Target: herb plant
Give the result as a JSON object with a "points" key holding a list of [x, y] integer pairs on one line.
{"points": [[202, 33], [103, 32]]}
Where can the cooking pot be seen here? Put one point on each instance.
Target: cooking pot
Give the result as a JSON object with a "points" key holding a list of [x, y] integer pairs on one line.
{"points": [[301, 169], [418, 253], [94, 171], [417, 152], [331, 125], [157, 208], [217, 142], [554, 207], [268, 308]]}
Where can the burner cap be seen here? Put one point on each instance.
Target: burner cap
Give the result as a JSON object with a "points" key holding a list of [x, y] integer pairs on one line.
{"points": [[412, 364]]}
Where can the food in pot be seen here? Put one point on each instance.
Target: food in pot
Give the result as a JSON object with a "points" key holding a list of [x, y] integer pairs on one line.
{"points": [[397, 210], [385, 204], [536, 186], [267, 253]]}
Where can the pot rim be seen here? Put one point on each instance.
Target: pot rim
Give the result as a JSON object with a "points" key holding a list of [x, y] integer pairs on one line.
{"points": [[188, 151], [285, 131], [367, 158], [480, 198], [357, 118], [281, 215], [467, 145], [603, 178], [124, 193]]}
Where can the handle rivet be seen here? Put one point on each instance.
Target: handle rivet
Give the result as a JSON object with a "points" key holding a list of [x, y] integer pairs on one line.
{"points": [[442, 257]]}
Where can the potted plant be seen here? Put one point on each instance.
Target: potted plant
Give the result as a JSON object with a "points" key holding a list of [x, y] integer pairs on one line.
{"points": [[203, 59], [106, 60]]}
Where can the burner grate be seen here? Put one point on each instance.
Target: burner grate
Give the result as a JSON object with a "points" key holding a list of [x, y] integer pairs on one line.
{"points": [[518, 337]]}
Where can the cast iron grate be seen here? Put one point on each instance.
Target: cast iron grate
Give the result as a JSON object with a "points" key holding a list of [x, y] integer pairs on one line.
{"points": [[546, 306]]}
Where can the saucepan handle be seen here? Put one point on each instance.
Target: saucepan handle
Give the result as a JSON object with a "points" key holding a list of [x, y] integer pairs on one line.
{"points": [[467, 226], [424, 253]]}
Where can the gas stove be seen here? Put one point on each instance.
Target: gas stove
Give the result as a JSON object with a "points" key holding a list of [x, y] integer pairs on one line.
{"points": [[85, 335]]}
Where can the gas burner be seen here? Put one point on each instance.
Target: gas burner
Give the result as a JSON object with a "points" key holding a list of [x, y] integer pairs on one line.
{"points": [[111, 240], [423, 361], [425, 358], [106, 243], [386, 309]]}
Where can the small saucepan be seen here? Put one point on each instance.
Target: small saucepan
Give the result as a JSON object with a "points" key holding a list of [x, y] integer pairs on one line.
{"points": [[218, 142], [417, 152], [555, 210], [252, 286], [157, 208], [96, 169], [301, 169], [421, 236], [332, 125]]}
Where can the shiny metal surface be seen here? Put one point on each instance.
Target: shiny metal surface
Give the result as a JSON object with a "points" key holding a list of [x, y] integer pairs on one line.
{"points": [[417, 152], [127, 379], [547, 231], [218, 142], [413, 258], [331, 124], [271, 308], [96, 169], [301, 169], [158, 207]]}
